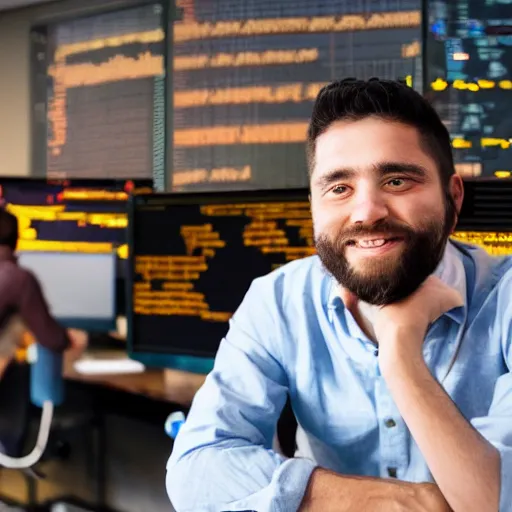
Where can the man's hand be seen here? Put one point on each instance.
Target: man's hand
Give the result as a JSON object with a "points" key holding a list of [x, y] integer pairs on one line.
{"points": [[416, 312], [78, 340], [331, 492], [400, 327]]}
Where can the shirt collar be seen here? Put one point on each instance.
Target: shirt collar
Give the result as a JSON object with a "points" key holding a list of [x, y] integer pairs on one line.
{"points": [[452, 272]]}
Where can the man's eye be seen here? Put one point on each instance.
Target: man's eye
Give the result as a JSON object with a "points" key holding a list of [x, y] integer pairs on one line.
{"points": [[339, 189], [397, 182]]}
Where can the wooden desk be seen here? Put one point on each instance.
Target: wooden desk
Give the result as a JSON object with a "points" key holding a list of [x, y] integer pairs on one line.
{"points": [[150, 396], [173, 386]]}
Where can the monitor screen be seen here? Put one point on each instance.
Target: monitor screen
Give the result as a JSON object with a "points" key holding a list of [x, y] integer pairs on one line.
{"points": [[245, 75], [469, 81], [193, 257], [79, 287], [486, 215], [87, 216], [100, 81]]}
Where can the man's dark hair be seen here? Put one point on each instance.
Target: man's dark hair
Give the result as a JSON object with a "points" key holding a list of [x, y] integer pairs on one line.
{"points": [[8, 229], [352, 99]]}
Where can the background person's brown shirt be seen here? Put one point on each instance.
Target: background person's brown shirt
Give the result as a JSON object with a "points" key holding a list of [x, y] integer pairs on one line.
{"points": [[21, 294]]}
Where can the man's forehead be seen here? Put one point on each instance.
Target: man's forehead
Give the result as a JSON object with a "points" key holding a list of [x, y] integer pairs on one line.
{"points": [[368, 133], [363, 146]]}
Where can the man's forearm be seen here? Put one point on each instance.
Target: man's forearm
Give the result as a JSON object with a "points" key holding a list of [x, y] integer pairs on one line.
{"points": [[330, 492], [465, 466]]}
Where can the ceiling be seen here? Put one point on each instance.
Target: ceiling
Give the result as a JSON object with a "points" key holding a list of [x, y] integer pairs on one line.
{"points": [[15, 4]]}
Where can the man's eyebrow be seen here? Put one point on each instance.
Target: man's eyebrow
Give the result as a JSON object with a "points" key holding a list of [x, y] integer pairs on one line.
{"points": [[333, 176], [386, 168], [382, 169]]}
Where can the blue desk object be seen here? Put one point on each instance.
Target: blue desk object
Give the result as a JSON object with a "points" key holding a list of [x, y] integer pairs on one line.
{"points": [[46, 391], [46, 379]]}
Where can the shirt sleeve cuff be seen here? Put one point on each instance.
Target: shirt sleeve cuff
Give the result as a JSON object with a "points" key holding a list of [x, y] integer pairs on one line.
{"points": [[284, 493], [290, 482], [506, 477]]}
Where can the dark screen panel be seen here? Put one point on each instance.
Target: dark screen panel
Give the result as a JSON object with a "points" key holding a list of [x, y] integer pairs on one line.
{"points": [[469, 73], [106, 90], [246, 73], [194, 259]]}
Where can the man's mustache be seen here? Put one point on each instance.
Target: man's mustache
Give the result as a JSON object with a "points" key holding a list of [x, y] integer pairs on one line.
{"points": [[393, 229]]}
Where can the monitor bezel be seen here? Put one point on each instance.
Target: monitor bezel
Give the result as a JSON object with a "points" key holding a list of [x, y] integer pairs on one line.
{"points": [[172, 199]]}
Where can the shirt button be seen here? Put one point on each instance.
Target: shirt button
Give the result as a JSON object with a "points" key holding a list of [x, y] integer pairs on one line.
{"points": [[376, 352], [392, 472], [390, 423]]}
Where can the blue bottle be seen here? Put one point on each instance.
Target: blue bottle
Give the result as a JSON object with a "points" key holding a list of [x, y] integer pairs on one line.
{"points": [[46, 379]]}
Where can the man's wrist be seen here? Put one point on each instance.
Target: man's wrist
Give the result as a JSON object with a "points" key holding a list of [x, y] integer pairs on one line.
{"points": [[401, 353], [404, 370]]}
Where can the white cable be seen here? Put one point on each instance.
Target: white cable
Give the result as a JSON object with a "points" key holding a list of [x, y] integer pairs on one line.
{"points": [[42, 440]]}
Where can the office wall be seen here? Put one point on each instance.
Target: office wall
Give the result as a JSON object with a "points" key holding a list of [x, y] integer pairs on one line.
{"points": [[14, 95], [15, 112]]}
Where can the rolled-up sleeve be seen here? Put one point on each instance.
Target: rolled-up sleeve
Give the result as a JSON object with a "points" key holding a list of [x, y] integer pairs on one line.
{"points": [[496, 427], [222, 458], [506, 477]]}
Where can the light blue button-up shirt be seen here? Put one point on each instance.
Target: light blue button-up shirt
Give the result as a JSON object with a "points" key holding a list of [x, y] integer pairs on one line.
{"points": [[292, 335]]}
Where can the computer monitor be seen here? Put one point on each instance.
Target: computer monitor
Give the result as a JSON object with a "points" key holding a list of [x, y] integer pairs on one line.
{"points": [[79, 215], [486, 215], [192, 259], [84, 215], [467, 53], [79, 287]]}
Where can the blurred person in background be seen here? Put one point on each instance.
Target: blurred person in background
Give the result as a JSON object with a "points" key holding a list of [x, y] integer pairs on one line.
{"points": [[23, 306]]}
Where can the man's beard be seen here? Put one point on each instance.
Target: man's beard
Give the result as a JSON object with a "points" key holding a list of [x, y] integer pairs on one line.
{"points": [[385, 280]]}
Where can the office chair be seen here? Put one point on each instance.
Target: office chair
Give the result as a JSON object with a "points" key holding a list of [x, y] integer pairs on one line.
{"points": [[20, 385], [287, 430], [15, 419], [46, 390], [25, 389]]}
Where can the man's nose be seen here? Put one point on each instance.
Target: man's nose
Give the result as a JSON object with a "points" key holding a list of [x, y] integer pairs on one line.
{"points": [[368, 208]]}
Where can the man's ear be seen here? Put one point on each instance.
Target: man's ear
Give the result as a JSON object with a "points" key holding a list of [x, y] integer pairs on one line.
{"points": [[456, 191], [456, 187]]}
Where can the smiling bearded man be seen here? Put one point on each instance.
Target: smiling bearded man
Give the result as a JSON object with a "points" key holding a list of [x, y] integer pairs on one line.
{"points": [[393, 343]]}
